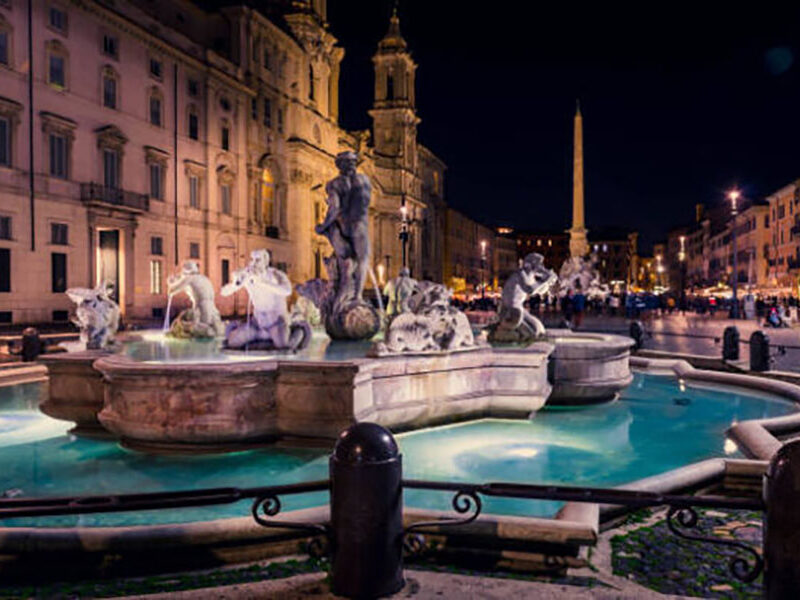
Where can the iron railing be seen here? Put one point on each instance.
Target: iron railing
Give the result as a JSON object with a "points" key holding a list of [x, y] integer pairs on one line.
{"points": [[94, 192], [466, 503]]}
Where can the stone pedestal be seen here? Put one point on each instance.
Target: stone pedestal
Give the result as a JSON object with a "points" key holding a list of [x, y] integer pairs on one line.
{"points": [[588, 367], [76, 390]]}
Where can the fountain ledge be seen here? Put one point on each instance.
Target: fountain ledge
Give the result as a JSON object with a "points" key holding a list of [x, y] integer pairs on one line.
{"points": [[202, 406]]}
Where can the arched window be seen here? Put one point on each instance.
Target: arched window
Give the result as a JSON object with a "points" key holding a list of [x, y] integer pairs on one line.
{"points": [[57, 64], [155, 107], [310, 82], [267, 193], [110, 87]]}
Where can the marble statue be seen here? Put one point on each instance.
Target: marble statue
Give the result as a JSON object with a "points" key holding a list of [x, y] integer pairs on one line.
{"points": [[431, 324], [581, 273], [271, 327], [399, 291], [346, 314], [202, 319], [96, 315], [515, 323]]}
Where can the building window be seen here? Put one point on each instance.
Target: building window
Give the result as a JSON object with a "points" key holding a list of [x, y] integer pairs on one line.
{"points": [[57, 70], [155, 276], [59, 159], [193, 87], [110, 46], [155, 108], [254, 109], [267, 198], [225, 199], [5, 141], [280, 120], [109, 89], [58, 270], [5, 44], [194, 132], [157, 245], [59, 234], [156, 181], [194, 191], [5, 270], [225, 137], [267, 58], [267, 112], [111, 178], [389, 87], [156, 68], [310, 82], [194, 250], [226, 271], [5, 228], [58, 19]]}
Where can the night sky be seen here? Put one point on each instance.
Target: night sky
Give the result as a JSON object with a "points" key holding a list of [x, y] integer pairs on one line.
{"points": [[680, 103]]}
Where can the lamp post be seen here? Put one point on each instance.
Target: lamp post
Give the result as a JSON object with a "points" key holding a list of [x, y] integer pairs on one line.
{"points": [[733, 195], [483, 269], [404, 231], [682, 259]]}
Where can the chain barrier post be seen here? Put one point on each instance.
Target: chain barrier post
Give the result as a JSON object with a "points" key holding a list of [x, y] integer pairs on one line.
{"points": [[759, 351], [730, 343], [366, 513], [782, 524]]}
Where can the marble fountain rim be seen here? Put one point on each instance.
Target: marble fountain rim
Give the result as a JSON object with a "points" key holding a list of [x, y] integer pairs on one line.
{"points": [[576, 523]]}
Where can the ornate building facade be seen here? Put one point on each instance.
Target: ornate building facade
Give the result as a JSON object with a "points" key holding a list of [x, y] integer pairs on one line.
{"points": [[139, 135]]}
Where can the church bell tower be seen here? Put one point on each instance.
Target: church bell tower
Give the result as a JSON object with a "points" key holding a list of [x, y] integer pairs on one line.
{"points": [[394, 117]]}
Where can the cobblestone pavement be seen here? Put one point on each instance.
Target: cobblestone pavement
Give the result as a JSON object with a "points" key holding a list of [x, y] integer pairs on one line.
{"points": [[668, 333]]}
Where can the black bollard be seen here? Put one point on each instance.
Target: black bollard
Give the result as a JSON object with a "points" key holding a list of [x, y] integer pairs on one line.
{"points": [[759, 351], [366, 513], [730, 343], [782, 523], [636, 331], [32, 345]]}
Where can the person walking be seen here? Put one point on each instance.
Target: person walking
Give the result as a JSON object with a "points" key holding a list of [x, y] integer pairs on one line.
{"points": [[567, 308], [578, 305]]}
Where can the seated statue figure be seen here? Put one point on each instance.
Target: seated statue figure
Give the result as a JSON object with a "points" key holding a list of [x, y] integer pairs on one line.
{"points": [[399, 291], [515, 323], [271, 326], [96, 315], [202, 320]]}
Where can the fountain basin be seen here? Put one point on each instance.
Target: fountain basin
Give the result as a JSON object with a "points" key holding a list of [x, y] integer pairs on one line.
{"points": [[76, 390], [203, 406], [588, 367]]}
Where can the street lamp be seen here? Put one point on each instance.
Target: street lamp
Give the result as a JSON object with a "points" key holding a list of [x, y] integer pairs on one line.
{"points": [[682, 259], [733, 195], [483, 268], [404, 231]]}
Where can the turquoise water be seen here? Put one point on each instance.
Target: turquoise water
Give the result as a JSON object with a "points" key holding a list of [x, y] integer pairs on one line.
{"points": [[658, 424], [154, 347]]}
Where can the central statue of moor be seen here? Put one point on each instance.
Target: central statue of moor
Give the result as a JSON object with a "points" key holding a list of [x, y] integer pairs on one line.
{"points": [[346, 314]]}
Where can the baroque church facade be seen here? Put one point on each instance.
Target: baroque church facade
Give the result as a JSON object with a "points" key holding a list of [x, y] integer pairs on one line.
{"points": [[162, 132]]}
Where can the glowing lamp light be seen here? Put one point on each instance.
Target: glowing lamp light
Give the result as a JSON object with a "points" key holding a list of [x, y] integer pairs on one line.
{"points": [[524, 452]]}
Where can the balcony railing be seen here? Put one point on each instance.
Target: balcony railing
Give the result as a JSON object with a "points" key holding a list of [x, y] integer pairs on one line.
{"points": [[93, 192]]}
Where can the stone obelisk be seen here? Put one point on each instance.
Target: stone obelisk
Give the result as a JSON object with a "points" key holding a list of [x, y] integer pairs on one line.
{"points": [[578, 246]]}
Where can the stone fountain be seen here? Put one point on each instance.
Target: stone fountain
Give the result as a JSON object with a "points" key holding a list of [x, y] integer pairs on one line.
{"points": [[584, 367]]}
